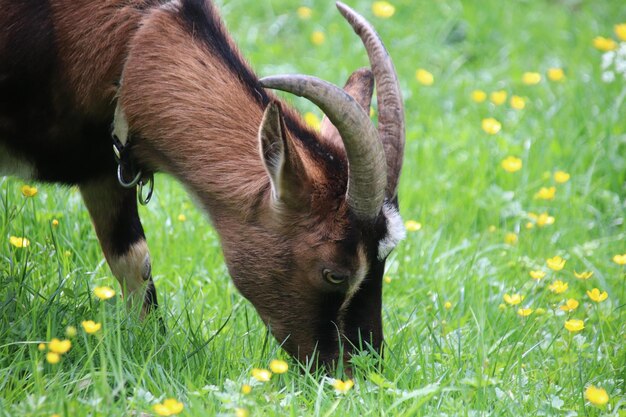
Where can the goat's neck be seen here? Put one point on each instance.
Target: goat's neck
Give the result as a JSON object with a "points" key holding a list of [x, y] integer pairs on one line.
{"points": [[213, 152], [193, 116], [209, 144]]}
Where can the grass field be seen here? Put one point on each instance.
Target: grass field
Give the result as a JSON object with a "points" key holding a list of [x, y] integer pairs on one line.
{"points": [[468, 331]]}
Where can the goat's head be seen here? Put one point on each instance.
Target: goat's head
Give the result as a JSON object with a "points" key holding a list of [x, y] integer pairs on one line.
{"points": [[329, 222]]}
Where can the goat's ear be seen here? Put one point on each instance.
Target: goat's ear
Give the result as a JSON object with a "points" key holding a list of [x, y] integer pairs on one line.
{"points": [[360, 86], [281, 159]]}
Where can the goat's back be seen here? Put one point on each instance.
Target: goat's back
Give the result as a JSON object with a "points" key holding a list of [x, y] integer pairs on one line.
{"points": [[60, 62]]}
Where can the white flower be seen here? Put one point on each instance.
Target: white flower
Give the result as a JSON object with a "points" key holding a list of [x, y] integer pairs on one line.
{"points": [[607, 59], [608, 76], [620, 65]]}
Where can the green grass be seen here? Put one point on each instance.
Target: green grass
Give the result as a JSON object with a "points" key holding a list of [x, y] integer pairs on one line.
{"points": [[476, 358]]}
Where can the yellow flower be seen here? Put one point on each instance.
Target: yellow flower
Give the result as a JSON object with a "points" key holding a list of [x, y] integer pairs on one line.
{"points": [[182, 218], [55, 415], [70, 331], [59, 346], [574, 325], [304, 12], [383, 9], [517, 102], [53, 358], [558, 287], [544, 219], [41, 347], [502, 307], [525, 312], [261, 375], [241, 412], [530, 225], [90, 326], [597, 296], [246, 389], [561, 177], [546, 193], [424, 77], [510, 239], [19, 242], [540, 311], [318, 37], [583, 275], [596, 395], [604, 44], [278, 367], [514, 299], [169, 407], [313, 121], [413, 226], [498, 97], [104, 293], [570, 305], [620, 259], [556, 74], [55, 223], [343, 386], [511, 164], [447, 305], [556, 263], [478, 96], [29, 191], [531, 78], [387, 279], [537, 275], [491, 125], [620, 31]]}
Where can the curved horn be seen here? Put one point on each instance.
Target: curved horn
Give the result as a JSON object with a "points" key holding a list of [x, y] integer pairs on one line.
{"points": [[390, 107], [366, 157]]}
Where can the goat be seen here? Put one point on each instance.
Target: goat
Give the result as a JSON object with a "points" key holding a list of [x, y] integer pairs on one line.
{"points": [[306, 218]]}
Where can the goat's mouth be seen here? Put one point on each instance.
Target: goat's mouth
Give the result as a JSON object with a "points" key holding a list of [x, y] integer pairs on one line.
{"points": [[336, 349], [340, 358]]}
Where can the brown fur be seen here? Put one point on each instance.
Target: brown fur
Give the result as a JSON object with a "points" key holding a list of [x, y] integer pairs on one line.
{"points": [[191, 115], [92, 55]]}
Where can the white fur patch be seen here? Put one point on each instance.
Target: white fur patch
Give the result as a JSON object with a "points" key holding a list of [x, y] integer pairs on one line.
{"points": [[120, 125], [10, 165], [395, 231], [132, 268], [173, 5], [359, 276], [132, 271]]}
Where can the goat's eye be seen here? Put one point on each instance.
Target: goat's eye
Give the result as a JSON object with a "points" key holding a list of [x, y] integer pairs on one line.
{"points": [[333, 277]]}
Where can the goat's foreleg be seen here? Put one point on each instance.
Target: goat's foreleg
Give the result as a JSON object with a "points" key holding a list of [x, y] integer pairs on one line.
{"points": [[113, 210]]}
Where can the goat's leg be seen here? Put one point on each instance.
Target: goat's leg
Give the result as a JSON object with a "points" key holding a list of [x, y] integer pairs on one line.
{"points": [[113, 210]]}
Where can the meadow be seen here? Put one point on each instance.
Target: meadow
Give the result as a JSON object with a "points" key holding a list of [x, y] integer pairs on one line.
{"points": [[506, 298]]}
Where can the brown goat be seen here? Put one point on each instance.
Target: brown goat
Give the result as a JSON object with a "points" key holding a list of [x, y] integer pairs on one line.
{"points": [[306, 219]]}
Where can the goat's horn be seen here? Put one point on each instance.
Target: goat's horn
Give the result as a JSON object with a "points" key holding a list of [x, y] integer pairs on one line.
{"points": [[366, 156], [390, 107]]}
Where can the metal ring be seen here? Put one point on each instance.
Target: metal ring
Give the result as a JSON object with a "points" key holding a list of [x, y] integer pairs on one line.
{"points": [[120, 178], [144, 201]]}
